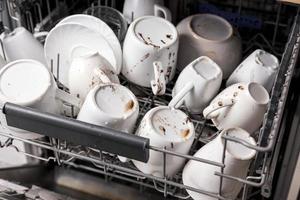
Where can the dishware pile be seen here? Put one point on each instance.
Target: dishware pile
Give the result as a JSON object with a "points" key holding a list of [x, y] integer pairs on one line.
{"points": [[83, 54]]}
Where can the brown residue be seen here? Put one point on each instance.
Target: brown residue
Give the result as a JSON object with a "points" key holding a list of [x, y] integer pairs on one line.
{"points": [[240, 87], [163, 42], [235, 94], [220, 103], [169, 36], [162, 129], [172, 145], [185, 133], [78, 96], [145, 57], [170, 55], [148, 43], [187, 120], [129, 105]]}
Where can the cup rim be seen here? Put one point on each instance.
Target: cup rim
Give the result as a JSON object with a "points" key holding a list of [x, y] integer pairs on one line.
{"points": [[176, 140], [133, 97], [16, 31], [258, 52], [174, 30], [213, 63], [194, 34], [261, 102], [41, 95], [250, 139]]}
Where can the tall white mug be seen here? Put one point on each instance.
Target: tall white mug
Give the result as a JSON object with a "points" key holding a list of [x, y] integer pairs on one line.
{"points": [[150, 56], [196, 85], [237, 160]]}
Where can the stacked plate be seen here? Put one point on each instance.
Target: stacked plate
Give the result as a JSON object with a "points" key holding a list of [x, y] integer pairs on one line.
{"points": [[78, 35]]}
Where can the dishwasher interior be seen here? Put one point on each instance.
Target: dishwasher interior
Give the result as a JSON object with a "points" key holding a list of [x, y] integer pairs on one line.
{"points": [[63, 163]]}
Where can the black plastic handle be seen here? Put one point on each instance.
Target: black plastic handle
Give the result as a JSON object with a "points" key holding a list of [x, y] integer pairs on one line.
{"points": [[109, 140]]}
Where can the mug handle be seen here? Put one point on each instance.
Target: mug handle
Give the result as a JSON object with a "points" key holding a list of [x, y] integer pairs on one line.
{"points": [[212, 111], [174, 103], [158, 9], [158, 85], [101, 75], [66, 97], [40, 34]]}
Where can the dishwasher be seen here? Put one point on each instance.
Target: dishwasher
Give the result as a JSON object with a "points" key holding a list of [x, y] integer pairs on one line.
{"points": [[76, 160]]}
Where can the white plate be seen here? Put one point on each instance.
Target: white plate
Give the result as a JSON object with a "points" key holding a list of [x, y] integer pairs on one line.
{"points": [[101, 27], [64, 38]]}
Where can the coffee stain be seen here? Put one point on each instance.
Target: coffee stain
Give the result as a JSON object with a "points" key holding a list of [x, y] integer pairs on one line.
{"points": [[129, 105], [146, 42], [220, 103], [169, 36], [163, 42], [241, 87], [185, 133], [235, 94], [187, 120], [162, 129]]}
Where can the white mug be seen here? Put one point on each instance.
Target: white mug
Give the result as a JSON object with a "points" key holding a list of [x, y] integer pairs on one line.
{"points": [[196, 85], [21, 44], [134, 9], [260, 67], [144, 46], [202, 176], [29, 83], [240, 105], [166, 128], [88, 71], [110, 105]]}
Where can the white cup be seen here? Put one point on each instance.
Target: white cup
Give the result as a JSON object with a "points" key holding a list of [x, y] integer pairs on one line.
{"points": [[29, 83], [134, 9], [240, 105], [196, 85], [202, 176], [166, 128], [144, 47], [110, 105], [88, 71], [260, 67], [21, 44]]}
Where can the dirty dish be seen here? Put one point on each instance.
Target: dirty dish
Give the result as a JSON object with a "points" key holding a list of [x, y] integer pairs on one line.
{"points": [[67, 41], [101, 27], [110, 105], [166, 128]]}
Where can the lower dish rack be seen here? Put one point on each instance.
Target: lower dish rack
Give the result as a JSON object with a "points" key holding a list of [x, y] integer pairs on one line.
{"points": [[75, 144]]}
